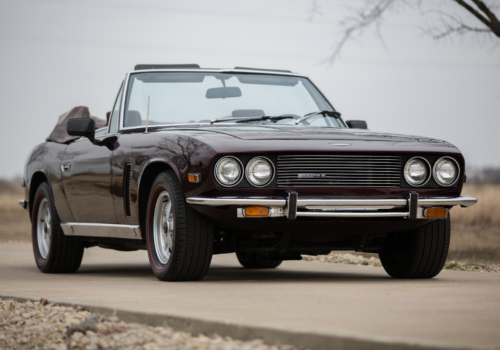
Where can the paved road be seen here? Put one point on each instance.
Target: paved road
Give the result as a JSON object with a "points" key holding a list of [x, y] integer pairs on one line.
{"points": [[456, 309]]}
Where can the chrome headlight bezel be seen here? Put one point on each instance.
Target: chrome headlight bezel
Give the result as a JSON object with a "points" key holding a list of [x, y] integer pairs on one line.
{"points": [[216, 174], [434, 171], [248, 175], [427, 177]]}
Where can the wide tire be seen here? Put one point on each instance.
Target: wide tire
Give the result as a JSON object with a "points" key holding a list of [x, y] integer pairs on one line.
{"points": [[180, 242], [255, 261], [420, 253], [54, 252]]}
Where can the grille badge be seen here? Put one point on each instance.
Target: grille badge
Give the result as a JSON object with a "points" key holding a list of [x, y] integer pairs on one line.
{"points": [[305, 176]]}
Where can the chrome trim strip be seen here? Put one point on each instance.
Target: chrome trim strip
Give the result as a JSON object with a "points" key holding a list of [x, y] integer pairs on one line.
{"points": [[221, 201], [120, 95], [398, 203], [349, 208], [218, 70], [122, 106], [101, 230], [463, 201], [353, 215]]}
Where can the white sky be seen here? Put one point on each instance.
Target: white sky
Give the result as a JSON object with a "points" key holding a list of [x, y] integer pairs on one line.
{"points": [[57, 54]]}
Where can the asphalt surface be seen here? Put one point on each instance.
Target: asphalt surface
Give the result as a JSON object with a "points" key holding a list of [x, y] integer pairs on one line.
{"points": [[455, 309]]}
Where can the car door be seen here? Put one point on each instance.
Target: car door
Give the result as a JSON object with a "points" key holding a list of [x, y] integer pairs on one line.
{"points": [[86, 170]]}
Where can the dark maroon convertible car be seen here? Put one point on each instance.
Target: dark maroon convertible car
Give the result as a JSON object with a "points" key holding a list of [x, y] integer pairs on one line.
{"points": [[194, 162]]}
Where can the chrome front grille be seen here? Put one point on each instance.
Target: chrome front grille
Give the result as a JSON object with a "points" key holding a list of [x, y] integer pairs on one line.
{"points": [[338, 171]]}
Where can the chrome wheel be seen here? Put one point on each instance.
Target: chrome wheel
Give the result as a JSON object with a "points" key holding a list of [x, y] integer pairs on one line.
{"points": [[163, 227], [44, 228]]}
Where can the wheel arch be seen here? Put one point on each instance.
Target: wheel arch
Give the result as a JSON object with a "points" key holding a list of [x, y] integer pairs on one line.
{"points": [[37, 178], [145, 181]]}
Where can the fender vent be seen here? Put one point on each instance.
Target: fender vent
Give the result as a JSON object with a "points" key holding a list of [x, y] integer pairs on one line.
{"points": [[126, 188]]}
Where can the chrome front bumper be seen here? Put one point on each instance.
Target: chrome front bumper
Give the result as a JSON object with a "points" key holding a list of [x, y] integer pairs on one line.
{"points": [[292, 206]]}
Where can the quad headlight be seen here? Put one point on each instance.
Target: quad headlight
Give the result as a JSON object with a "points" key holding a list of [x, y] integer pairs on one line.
{"points": [[259, 171], [446, 171], [417, 171], [228, 171]]}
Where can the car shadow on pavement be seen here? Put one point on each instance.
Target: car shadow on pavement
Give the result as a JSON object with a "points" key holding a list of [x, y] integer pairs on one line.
{"points": [[239, 274], [228, 274]]}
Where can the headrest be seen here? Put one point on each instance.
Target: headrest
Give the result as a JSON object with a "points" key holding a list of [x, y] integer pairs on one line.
{"points": [[133, 118], [248, 113]]}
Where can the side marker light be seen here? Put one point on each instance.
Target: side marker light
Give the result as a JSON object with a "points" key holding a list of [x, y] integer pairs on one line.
{"points": [[196, 178], [435, 213], [257, 211]]}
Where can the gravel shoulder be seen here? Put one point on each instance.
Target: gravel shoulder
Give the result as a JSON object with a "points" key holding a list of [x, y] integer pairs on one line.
{"points": [[42, 325], [353, 259]]}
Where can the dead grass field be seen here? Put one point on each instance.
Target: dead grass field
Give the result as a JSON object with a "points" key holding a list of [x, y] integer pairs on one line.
{"points": [[475, 231]]}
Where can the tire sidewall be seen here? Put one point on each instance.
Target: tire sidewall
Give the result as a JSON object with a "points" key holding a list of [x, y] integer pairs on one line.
{"points": [[42, 192], [160, 269]]}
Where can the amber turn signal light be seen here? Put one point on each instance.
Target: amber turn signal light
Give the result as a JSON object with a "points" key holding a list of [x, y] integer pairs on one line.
{"points": [[194, 178], [257, 211], [435, 213]]}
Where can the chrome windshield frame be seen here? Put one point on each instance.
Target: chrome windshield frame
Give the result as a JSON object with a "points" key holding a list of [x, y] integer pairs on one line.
{"points": [[202, 70]]}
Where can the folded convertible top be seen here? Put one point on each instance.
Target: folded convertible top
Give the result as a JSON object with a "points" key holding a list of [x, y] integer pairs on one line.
{"points": [[59, 134]]}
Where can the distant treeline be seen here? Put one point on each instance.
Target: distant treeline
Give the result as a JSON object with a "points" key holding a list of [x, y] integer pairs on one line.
{"points": [[10, 187], [484, 176]]}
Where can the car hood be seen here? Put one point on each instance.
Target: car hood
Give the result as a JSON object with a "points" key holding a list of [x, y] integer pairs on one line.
{"points": [[258, 138]]}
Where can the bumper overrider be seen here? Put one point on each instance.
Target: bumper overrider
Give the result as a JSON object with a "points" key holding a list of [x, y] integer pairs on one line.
{"points": [[292, 207]]}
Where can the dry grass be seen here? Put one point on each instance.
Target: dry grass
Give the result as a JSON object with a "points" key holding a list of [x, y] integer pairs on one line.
{"points": [[475, 231], [14, 221]]}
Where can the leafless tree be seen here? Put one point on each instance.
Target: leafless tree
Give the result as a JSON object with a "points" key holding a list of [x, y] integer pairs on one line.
{"points": [[440, 24]]}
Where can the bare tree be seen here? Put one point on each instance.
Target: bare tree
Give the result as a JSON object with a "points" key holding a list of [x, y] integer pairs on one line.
{"points": [[441, 25]]}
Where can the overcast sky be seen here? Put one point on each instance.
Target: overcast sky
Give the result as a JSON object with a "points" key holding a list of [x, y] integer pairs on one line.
{"points": [[58, 54]]}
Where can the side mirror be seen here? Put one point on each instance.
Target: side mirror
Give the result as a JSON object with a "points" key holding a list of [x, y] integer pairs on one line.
{"points": [[356, 124], [82, 127]]}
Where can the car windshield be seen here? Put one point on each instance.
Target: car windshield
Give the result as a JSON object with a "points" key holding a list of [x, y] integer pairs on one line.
{"points": [[212, 97]]}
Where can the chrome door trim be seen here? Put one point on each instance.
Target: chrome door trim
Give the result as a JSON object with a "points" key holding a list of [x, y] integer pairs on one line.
{"points": [[101, 230], [122, 103]]}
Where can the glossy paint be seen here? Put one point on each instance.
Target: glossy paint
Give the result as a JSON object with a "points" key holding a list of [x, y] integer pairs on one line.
{"points": [[93, 190]]}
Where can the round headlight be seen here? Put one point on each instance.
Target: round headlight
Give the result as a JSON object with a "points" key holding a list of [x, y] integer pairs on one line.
{"points": [[446, 171], [228, 171], [259, 171], [416, 171]]}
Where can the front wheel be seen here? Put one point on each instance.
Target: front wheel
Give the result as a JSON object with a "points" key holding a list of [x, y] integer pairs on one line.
{"points": [[420, 253], [54, 252], [180, 242]]}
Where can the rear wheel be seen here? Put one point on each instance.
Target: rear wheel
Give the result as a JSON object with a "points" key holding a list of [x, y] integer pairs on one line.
{"points": [[54, 252], [420, 253], [180, 242], [255, 261]]}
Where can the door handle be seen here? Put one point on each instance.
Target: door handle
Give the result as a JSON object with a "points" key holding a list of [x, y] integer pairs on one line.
{"points": [[66, 167]]}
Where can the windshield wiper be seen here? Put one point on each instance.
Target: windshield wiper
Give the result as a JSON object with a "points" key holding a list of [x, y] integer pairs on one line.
{"points": [[250, 119], [265, 117], [324, 113]]}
